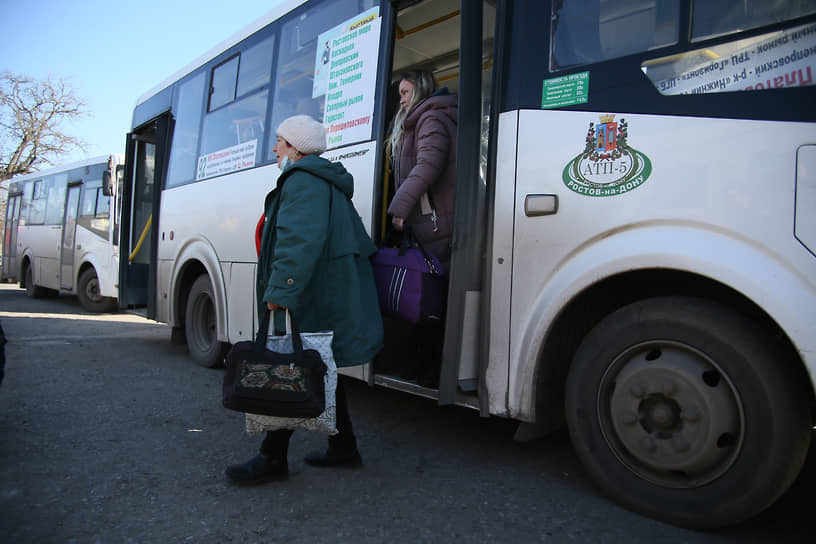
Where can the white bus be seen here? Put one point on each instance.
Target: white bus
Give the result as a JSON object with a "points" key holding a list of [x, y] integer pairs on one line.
{"points": [[62, 232], [634, 248]]}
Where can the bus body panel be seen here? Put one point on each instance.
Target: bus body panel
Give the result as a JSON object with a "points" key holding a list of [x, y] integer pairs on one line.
{"points": [[102, 255], [643, 247], [715, 223], [195, 248], [41, 244], [805, 226]]}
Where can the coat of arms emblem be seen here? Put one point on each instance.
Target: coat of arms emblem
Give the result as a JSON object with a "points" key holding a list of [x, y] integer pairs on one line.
{"points": [[607, 166]]}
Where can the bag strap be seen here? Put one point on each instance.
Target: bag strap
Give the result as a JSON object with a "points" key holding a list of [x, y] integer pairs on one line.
{"points": [[263, 330], [405, 245]]}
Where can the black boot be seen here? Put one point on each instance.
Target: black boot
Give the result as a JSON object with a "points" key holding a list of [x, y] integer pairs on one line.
{"points": [[258, 470]]}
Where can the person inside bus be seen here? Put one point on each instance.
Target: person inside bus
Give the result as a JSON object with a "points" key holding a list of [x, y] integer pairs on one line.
{"points": [[422, 147], [314, 261]]}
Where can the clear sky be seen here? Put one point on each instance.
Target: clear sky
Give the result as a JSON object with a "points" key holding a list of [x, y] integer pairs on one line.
{"points": [[112, 52]]}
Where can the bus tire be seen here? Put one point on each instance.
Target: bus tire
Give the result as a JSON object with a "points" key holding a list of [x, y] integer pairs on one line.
{"points": [[687, 411], [200, 324], [32, 290], [88, 293]]}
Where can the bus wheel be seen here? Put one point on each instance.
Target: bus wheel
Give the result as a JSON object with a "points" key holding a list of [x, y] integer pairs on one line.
{"points": [[33, 291], [200, 325], [88, 293], [687, 411]]}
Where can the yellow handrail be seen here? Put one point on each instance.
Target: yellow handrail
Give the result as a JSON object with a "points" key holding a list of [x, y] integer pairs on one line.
{"points": [[141, 238]]}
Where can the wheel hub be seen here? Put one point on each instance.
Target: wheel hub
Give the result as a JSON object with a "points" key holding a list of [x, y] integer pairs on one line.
{"points": [[660, 415], [670, 414], [92, 290]]}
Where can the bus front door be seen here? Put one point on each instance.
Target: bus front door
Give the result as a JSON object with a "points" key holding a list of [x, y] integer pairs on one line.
{"points": [[10, 237], [69, 222], [139, 220]]}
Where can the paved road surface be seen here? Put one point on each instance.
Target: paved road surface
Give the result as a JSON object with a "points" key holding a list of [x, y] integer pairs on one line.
{"points": [[110, 434]]}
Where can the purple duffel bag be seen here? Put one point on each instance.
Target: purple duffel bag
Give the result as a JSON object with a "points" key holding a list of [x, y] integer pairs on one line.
{"points": [[410, 283]]}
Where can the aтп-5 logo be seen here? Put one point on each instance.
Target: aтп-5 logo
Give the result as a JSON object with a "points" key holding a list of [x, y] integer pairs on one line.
{"points": [[607, 166]]}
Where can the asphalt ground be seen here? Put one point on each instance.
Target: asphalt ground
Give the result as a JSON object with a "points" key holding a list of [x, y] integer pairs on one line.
{"points": [[110, 434]]}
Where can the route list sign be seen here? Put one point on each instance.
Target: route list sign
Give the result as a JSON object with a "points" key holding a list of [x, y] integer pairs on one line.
{"points": [[346, 73]]}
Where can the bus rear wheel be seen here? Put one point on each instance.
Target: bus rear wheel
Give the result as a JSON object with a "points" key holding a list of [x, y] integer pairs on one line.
{"points": [[89, 295], [687, 412], [200, 325], [33, 291]]}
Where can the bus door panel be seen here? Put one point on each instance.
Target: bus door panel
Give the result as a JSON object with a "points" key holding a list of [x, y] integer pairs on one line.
{"points": [[10, 237], [68, 243], [137, 262]]}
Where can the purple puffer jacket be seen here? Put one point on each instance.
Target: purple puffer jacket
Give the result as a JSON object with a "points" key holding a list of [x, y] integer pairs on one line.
{"points": [[426, 163]]}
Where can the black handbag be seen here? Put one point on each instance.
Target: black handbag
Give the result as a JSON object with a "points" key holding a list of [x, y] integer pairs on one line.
{"points": [[260, 381]]}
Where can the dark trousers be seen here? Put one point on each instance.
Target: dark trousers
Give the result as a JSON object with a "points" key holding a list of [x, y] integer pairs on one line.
{"points": [[276, 443]]}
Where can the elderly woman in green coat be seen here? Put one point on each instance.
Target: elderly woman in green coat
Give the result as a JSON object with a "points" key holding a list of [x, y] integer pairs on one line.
{"points": [[314, 261]]}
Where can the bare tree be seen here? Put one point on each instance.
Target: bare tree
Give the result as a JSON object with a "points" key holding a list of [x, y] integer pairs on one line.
{"points": [[31, 114]]}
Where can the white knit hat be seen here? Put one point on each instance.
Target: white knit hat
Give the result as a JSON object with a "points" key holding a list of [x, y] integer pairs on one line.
{"points": [[304, 134]]}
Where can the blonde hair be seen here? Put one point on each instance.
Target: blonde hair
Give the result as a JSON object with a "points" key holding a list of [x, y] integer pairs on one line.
{"points": [[424, 86]]}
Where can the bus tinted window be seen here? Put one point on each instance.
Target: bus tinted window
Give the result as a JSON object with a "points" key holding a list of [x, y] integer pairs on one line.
{"points": [[232, 136], [55, 202], [222, 90], [716, 17], [256, 66], [94, 203], [239, 124], [294, 81], [38, 198], [102, 204], [88, 203], [25, 205], [586, 31], [184, 150]]}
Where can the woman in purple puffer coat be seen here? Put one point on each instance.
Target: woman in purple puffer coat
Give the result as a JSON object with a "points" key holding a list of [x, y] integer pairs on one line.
{"points": [[423, 151]]}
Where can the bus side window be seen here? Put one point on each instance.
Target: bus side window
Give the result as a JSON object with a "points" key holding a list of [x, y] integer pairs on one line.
{"points": [[102, 204], [55, 201], [88, 202], [586, 31], [241, 101], [38, 194], [187, 109], [716, 17], [294, 80]]}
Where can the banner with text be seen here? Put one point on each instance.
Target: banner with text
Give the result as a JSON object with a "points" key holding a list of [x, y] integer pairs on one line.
{"points": [[346, 72], [227, 160], [782, 59]]}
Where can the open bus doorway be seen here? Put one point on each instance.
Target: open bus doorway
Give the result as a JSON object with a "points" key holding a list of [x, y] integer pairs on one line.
{"points": [[140, 218], [427, 36]]}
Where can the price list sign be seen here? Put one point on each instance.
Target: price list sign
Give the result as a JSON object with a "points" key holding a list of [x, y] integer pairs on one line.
{"points": [[565, 90]]}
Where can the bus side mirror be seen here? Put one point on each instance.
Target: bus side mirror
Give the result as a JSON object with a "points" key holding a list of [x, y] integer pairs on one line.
{"points": [[106, 183]]}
